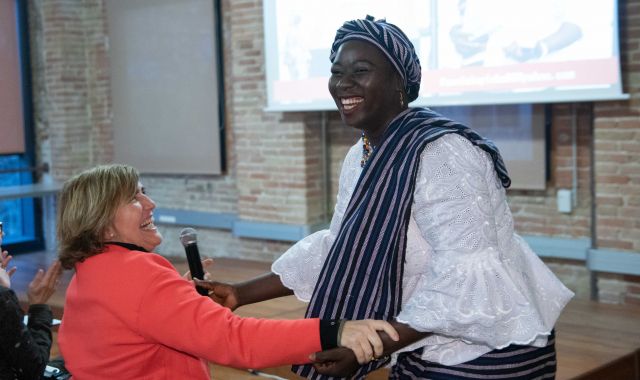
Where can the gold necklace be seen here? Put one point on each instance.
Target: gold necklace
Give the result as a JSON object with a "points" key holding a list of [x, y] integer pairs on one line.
{"points": [[367, 150]]}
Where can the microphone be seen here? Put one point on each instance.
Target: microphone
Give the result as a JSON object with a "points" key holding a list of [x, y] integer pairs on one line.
{"points": [[189, 239]]}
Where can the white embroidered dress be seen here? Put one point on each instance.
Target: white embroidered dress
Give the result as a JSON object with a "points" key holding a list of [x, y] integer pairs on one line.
{"points": [[468, 277]]}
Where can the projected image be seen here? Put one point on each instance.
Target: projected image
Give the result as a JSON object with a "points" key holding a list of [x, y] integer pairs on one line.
{"points": [[518, 32], [472, 51], [298, 37], [522, 46]]}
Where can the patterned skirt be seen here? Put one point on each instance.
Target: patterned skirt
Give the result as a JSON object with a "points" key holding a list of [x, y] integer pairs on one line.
{"points": [[512, 362]]}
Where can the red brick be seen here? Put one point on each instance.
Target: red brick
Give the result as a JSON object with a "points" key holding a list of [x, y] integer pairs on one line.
{"points": [[614, 244], [612, 179], [615, 223], [289, 153], [630, 212], [610, 201]]}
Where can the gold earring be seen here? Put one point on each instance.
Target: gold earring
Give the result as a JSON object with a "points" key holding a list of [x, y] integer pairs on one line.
{"points": [[401, 100]]}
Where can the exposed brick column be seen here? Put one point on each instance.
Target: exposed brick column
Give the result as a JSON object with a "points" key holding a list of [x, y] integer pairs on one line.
{"points": [[617, 164], [71, 84], [277, 153], [617, 148]]}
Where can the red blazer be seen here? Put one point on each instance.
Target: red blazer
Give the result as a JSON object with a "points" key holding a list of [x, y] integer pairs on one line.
{"points": [[130, 315]]}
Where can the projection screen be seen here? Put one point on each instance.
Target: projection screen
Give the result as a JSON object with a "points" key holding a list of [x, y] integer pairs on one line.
{"points": [[472, 52]]}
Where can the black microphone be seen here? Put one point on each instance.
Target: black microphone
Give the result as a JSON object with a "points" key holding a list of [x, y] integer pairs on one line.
{"points": [[189, 239]]}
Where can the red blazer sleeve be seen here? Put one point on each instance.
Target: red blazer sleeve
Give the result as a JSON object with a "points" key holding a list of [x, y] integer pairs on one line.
{"points": [[172, 313]]}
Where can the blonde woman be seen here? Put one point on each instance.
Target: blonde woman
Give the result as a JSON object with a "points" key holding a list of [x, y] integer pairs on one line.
{"points": [[128, 314]]}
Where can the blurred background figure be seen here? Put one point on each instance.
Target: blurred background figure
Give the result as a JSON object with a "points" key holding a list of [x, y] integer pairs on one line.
{"points": [[24, 349]]}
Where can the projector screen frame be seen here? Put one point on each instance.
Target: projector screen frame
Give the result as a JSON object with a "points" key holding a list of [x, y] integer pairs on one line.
{"points": [[321, 101]]}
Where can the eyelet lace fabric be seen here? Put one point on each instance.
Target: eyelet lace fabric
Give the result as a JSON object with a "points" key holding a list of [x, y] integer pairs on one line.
{"points": [[469, 279]]}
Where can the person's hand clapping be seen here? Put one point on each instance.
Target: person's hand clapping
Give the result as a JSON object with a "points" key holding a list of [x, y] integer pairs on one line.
{"points": [[5, 275], [221, 293], [44, 284]]}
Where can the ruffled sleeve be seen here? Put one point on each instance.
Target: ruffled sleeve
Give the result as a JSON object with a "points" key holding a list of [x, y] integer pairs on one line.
{"points": [[300, 266], [483, 287]]}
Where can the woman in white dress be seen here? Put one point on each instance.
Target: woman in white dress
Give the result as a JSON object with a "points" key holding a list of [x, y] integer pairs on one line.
{"points": [[421, 235]]}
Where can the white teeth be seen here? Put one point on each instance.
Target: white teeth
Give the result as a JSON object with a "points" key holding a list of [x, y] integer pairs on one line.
{"points": [[350, 103], [346, 101], [148, 224]]}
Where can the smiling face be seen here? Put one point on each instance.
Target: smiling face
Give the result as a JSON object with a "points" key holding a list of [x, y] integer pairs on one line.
{"points": [[365, 87], [133, 222]]}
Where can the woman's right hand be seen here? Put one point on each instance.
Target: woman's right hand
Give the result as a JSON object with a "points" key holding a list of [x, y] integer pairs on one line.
{"points": [[221, 293], [44, 284], [337, 362], [363, 339]]}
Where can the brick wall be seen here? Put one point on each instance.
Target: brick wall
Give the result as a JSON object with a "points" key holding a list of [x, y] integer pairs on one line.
{"points": [[536, 212], [70, 70], [273, 172], [617, 164], [617, 149], [277, 153], [274, 160]]}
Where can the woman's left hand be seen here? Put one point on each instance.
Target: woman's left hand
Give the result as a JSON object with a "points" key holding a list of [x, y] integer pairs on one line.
{"points": [[206, 265], [5, 275], [338, 362]]}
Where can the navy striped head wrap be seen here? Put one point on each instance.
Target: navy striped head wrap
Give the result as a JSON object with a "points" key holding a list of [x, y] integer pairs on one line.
{"points": [[391, 41]]}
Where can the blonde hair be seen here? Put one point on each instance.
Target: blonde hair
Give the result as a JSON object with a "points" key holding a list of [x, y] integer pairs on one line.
{"points": [[87, 206]]}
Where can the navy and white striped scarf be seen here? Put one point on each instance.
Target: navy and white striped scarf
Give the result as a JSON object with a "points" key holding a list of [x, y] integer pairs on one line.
{"points": [[362, 275]]}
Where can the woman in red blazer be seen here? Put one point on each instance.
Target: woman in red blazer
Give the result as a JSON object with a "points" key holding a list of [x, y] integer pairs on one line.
{"points": [[128, 314]]}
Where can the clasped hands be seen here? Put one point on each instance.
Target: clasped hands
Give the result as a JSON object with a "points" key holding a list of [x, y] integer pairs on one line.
{"points": [[359, 341]]}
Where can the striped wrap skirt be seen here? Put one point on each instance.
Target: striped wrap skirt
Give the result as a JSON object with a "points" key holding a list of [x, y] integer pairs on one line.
{"points": [[512, 362]]}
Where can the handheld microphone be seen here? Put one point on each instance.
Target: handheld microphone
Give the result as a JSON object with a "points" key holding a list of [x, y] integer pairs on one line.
{"points": [[189, 239]]}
